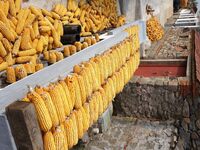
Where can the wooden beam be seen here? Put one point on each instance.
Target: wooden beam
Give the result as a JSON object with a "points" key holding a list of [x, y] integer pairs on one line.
{"points": [[24, 126]]}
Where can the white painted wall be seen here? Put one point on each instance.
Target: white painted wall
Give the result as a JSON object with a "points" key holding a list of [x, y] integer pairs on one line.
{"points": [[136, 9]]}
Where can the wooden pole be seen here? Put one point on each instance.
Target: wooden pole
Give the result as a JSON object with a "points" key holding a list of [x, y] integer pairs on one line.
{"points": [[24, 126]]}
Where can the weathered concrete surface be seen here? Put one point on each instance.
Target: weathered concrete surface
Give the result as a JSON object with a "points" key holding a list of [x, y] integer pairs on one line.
{"points": [[134, 134]]}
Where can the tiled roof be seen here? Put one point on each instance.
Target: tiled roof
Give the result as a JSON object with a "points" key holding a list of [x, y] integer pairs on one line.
{"points": [[197, 54]]}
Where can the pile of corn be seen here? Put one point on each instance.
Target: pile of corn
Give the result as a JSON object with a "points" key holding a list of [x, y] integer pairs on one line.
{"points": [[27, 33], [67, 108], [54, 56], [155, 31]]}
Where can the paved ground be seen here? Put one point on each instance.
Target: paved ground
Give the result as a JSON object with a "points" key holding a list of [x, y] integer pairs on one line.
{"points": [[174, 44], [134, 134]]}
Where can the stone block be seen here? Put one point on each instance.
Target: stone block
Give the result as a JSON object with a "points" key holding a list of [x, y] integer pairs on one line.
{"points": [[104, 121]]}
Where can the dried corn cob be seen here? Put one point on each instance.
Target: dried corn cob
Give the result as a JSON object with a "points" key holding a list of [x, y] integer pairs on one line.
{"points": [[86, 108], [92, 111], [66, 51], [57, 101], [46, 13], [3, 51], [16, 46], [39, 66], [42, 112], [36, 28], [28, 68], [59, 56], [21, 23], [59, 139], [40, 45], [69, 132], [9, 59], [36, 12], [67, 93], [29, 52], [78, 101], [79, 121], [52, 58], [3, 66], [23, 59], [11, 78], [12, 8], [7, 45], [85, 120], [71, 86], [48, 140], [82, 88], [75, 128], [64, 99], [18, 5], [4, 19], [20, 72]]}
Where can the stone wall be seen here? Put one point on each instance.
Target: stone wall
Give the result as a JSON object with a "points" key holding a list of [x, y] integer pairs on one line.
{"points": [[154, 98]]}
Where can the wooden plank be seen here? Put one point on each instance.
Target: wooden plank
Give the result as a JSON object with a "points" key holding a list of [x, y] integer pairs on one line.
{"points": [[51, 73], [24, 126], [6, 138]]}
